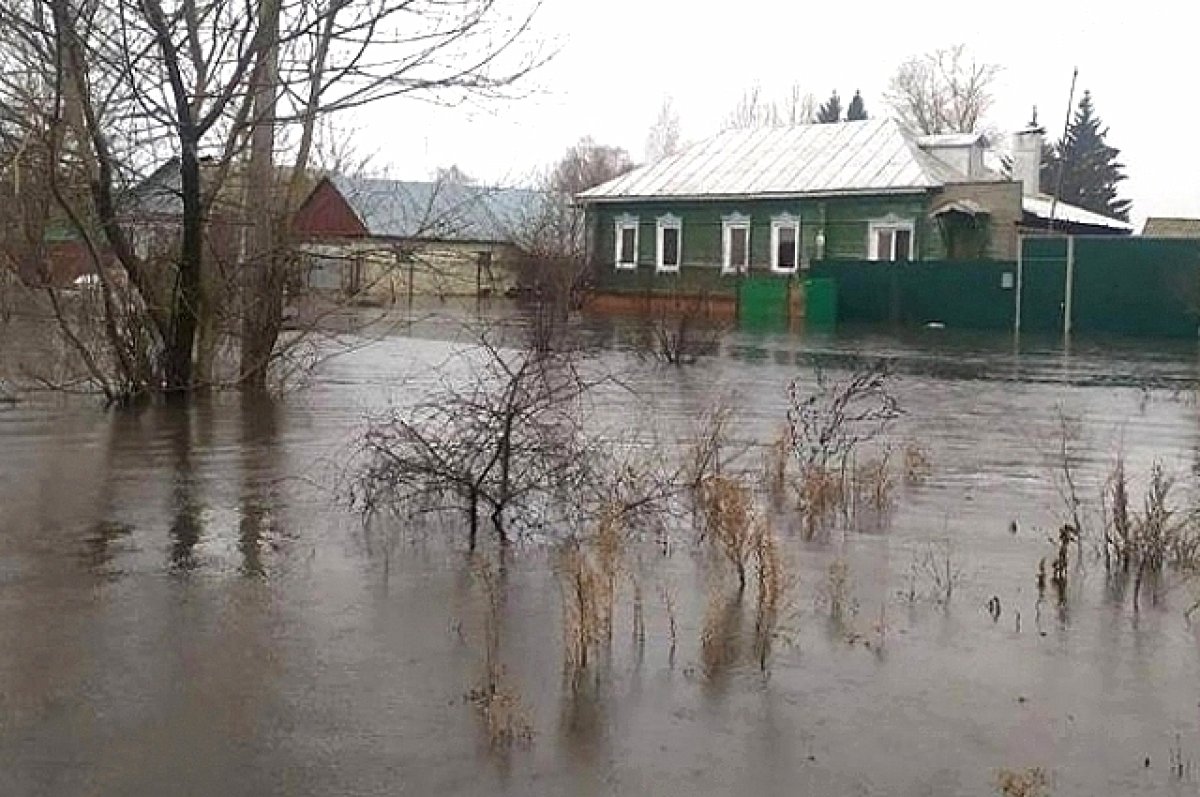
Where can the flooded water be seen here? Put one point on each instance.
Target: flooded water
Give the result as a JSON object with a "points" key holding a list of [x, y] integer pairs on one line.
{"points": [[186, 607]]}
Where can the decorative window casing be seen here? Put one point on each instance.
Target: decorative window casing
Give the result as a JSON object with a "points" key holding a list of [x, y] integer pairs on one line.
{"points": [[668, 250], [785, 244], [891, 239], [735, 244], [626, 240]]}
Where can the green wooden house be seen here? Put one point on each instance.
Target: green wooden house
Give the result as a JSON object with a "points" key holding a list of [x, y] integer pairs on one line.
{"points": [[772, 201]]}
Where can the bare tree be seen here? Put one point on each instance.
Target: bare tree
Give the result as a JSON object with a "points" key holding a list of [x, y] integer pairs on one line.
{"points": [[222, 89], [551, 232], [586, 165], [755, 110], [944, 91], [501, 440], [663, 138], [799, 107]]}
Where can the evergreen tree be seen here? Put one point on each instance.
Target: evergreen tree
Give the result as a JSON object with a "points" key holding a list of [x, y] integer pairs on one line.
{"points": [[1090, 168], [857, 110], [831, 111]]}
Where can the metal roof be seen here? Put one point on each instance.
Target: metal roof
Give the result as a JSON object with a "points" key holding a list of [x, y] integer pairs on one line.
{"points": [[868, 157], [1162, 227], [1040, 206], [444, 211], [953, 140]]}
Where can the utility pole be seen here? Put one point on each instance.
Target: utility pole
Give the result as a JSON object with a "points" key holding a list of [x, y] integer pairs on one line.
{"points": [[1061, 163]]}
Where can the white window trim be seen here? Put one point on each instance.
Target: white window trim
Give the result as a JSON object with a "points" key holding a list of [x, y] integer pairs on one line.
{"points": [[668, 222], [892, 223], [778, 223], [734, 221], [622, 223]]}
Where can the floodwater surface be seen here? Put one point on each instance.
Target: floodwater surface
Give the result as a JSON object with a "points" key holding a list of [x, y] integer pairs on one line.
{"points": [[188, 607]]}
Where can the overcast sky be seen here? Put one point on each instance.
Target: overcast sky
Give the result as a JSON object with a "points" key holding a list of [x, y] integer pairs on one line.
{"points": [[619, 59]]}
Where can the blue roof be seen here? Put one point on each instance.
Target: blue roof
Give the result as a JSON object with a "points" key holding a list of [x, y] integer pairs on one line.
{"points": [[444, 211]]}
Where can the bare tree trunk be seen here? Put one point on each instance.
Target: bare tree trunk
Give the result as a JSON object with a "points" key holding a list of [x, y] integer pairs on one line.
{"points": [[185, 304], [185, 298], [264, 267]]}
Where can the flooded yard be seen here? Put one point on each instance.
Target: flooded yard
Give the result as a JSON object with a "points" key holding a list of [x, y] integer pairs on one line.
{"points": [[188, 606]]}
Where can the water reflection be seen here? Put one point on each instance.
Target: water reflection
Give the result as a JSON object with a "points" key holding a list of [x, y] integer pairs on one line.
{"points": [[260, 453], [187, 524], [102, 544]]}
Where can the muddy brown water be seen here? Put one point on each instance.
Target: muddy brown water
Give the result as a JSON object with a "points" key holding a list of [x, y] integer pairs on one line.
{"points": [[185, 607]]}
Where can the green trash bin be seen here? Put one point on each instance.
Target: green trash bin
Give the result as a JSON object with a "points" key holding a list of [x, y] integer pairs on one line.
{"points": [[820, 302]]}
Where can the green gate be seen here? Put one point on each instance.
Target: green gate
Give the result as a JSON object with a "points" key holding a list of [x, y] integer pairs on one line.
{"points": [[763, 301]]}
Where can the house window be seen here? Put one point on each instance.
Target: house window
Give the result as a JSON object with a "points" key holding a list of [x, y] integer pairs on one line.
{"points": [[670, 242], [890, 240], [735, 244], [627, 242], [785, 243]]}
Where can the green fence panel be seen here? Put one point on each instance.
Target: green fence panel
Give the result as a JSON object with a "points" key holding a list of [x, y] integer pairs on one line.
{"points": [[820, 302], [1136, 286], [866, 292], [1044, 281], [967, 294], [963, 294]]}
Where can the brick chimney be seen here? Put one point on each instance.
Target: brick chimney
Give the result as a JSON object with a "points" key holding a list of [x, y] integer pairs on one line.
{"points": [[1027, 157]]}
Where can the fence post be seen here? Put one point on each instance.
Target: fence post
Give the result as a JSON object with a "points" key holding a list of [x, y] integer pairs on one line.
{"points": [[1069, 288], [1020, 282]]}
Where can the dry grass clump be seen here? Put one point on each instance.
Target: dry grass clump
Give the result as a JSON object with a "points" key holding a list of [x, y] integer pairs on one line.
{"points": [[775, 466], [874, 485], [735, 527], [822, 498], [731, 522], [588, 571], [774, 581], [838, 594], [917, 462], [721, 634], [1141, 545], [1031, 782], [506, 720]]}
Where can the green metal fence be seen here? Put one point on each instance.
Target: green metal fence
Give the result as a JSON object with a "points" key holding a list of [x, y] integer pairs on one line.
{"points": [[970, 294], [1136, 286], [1090, 285]]}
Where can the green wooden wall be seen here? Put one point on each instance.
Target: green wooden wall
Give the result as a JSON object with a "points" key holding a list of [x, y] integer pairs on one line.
{"points": [[844, 219]]}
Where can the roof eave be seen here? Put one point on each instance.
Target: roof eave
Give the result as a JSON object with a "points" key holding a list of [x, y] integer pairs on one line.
{"points": [[855, 192]]}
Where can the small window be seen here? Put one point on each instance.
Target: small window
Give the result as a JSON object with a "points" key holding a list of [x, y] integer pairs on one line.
{"points": [[670, 243], [891, 241], [785, 244], [626, 242], [735, 244]]}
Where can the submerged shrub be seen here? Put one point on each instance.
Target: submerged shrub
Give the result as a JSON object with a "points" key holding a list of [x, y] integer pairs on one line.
{"points": [[1031, 782], [827, 426], [731, 522]]}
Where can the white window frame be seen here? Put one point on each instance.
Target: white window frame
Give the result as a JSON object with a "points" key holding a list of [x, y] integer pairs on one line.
{"points": [[734, 221], [668, 222], [622, 223], [778, 223], [893, 224]]}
